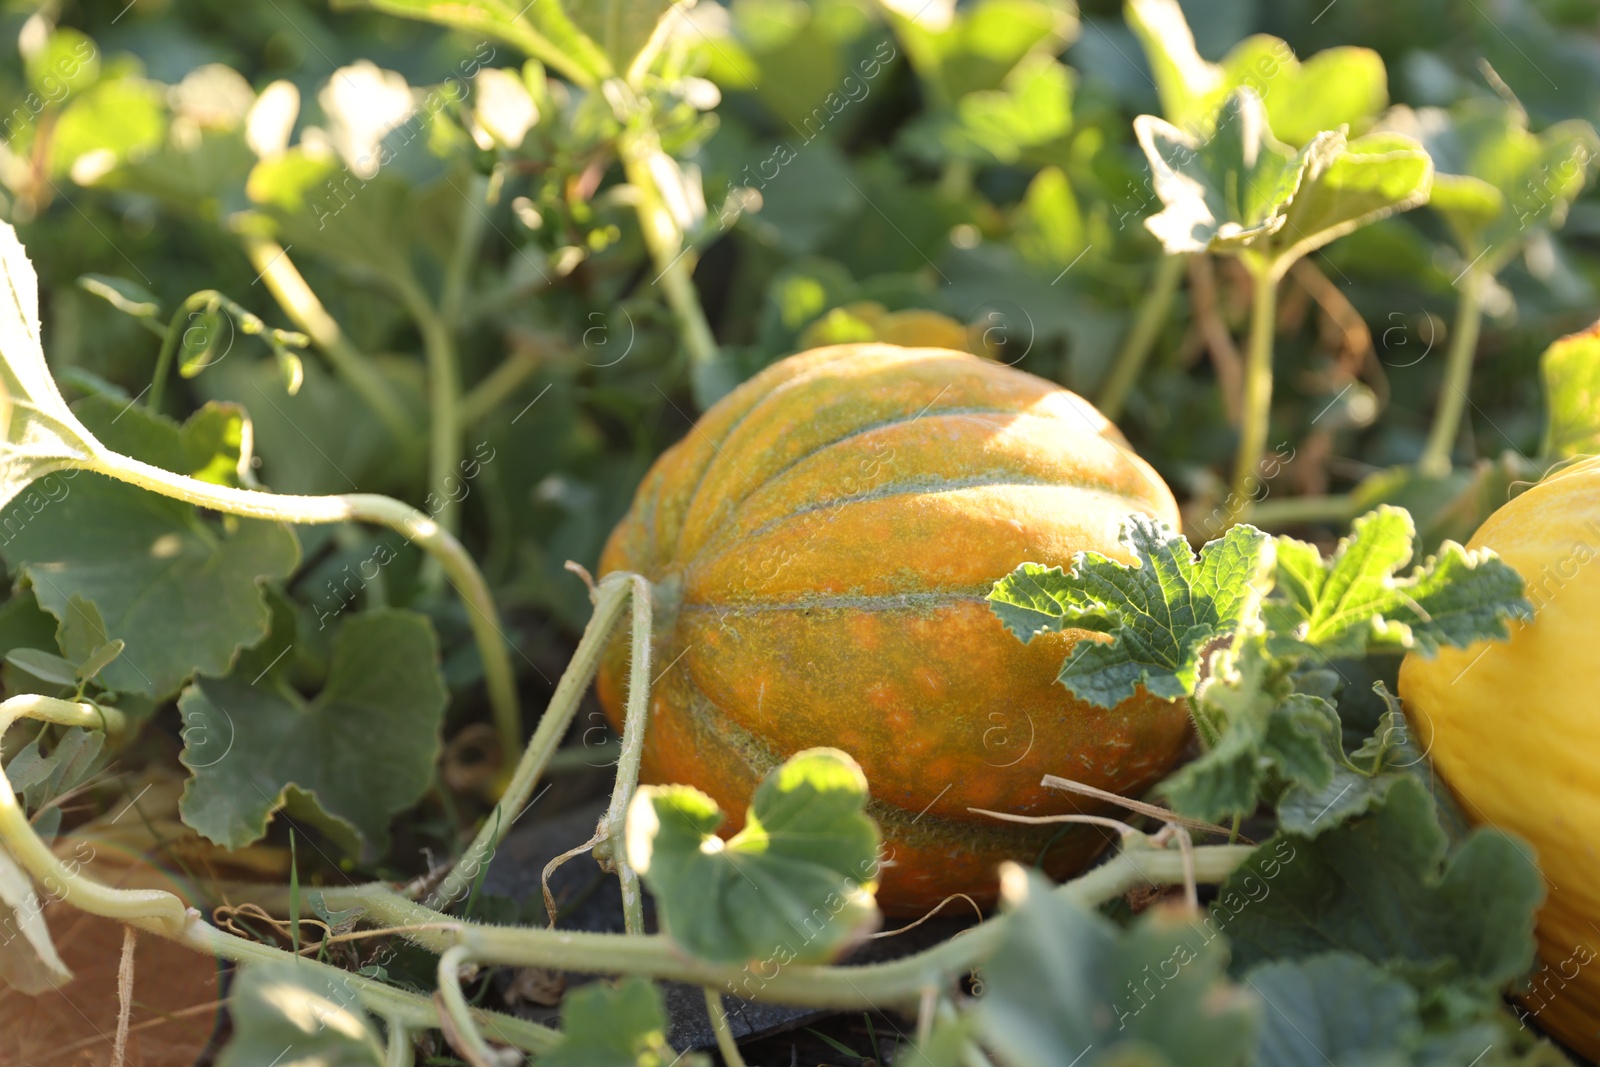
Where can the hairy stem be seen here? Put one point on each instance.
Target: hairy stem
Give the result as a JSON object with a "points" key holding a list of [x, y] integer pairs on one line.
{"points": [[400, 1050], [1256, 411], [410, 523], [1141, 339], [301, 305], [898, 982], [463, 1032], [413, 1011], [1446, 428], [612, 595]]}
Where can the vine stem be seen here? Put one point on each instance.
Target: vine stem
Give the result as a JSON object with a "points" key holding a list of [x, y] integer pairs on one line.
{"points": [[634, 723], [1256, 411], [674, 263], [410, 523], [169, 344], [399, 1051], [610, 597], [444, 395], [160, 912], [469, 235], [463, 1031], [1141, 339], [1300, 509], [899, 982], [719, 1025], [494, 388], [1446, 427], [301, 305]]}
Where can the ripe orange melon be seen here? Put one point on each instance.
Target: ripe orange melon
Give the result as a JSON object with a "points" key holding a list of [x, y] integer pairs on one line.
{"points": [[821, 545]]}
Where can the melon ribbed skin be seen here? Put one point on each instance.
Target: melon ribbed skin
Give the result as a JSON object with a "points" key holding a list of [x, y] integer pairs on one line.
{"points": [[1512, 728], [821, 545]]}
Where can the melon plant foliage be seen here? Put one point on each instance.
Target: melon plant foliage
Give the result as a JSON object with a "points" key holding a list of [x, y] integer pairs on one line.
{"points": [[330, 334]]}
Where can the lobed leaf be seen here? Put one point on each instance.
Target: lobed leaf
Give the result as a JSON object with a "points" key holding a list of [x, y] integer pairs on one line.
{"points": [[182, 593], [1240, 190], [1160, 614], [1334, 88], [363, 749], [1332, 1008], [1498, 184], [1354, 602], [795, 883], [1384, 886], [1358, 785]]}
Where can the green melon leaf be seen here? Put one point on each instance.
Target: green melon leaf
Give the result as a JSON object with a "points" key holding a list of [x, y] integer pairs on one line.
{"points": [[39, 434], [1357, 786], [621, 1025], [795, 883], [1497, 184], [1461, 918], [181, 592], [1244, 192], [1334, 88], [1065, 981], [1161, 614], [1335, 1008], [1354, 601], [981, 44], [287, 1015], [1032, 109], [363, 749], [543, 29]]}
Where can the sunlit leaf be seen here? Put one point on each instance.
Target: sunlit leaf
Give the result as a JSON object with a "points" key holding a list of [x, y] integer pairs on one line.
{"points": [[981, 44], [1334, 88], [28, 964], [39, 434], [1355, 600], [1161, 614], [286, 1014], [1242, 191], [797, 879], [1571, 371], [542, 29]]}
